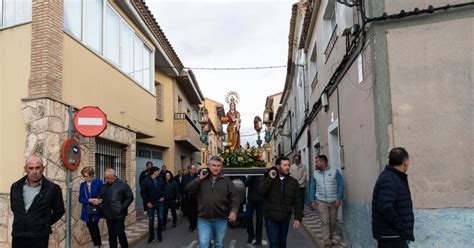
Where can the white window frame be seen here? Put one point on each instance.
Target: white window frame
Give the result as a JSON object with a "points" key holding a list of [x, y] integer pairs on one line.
{"points": [[104, 41], [122, 21], [2, 16]]}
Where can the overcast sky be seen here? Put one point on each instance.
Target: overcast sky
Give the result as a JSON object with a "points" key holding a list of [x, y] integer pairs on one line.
{"points": [[225, 33]]}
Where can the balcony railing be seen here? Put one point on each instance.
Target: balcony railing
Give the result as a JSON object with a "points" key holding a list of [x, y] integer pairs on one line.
{"points": [[331, 43], [184, 116], [186, 132]]}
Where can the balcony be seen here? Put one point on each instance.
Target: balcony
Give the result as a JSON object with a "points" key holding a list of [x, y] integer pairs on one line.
{"points": [[331, 43], [186, 132]]}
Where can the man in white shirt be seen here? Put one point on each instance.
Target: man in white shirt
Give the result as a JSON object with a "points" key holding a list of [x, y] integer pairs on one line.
{"points": [[299, 172]]}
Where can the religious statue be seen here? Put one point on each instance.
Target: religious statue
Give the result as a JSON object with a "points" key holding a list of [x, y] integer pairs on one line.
{"points": [[232, 118]]}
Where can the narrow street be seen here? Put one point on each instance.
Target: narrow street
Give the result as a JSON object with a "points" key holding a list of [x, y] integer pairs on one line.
{"points": [[235, 238]]}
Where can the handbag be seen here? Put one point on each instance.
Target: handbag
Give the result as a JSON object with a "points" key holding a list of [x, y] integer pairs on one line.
{"points": [[91, 208]]}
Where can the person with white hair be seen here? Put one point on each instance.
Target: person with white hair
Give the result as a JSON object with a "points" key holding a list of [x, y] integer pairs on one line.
{"points": [[114, 199]]}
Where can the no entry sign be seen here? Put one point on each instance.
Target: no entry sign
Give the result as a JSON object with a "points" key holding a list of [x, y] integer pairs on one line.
{"points": [[90, 121]]}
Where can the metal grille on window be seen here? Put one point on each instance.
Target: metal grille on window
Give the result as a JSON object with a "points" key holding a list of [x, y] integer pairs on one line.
{"points": [[109, 155]]}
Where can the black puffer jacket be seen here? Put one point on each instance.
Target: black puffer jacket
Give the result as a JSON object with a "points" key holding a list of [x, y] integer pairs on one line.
{"points": [[392, 209], [46, 209], [277, 206], [116, 198]]}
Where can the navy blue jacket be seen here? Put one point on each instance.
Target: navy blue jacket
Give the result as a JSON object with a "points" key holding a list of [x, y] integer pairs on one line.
{"points": [[187, 179], [85, 195], [170, 192], [392, 208], [151, 192]]}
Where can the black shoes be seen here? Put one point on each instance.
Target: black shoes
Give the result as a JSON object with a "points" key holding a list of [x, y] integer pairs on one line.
{"points": [[150, 240], [257, 242], [174, 225], [250, 240]]}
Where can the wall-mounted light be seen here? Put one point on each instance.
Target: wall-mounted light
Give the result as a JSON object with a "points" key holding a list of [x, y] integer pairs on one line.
{"points": [[325, 102]]}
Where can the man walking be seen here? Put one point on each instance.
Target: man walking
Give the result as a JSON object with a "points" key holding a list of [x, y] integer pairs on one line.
{"points": [[144, 174], [281, 198], [254, 204], [299, 172], [37, 204], [218, 201], [153, 188], [115, 198], [327, 192], [190, 203], [392, 208]]}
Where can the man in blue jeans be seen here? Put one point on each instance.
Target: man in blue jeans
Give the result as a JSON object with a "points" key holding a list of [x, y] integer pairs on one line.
{"points": [[153, 188], [218, 202], [281, 197]]}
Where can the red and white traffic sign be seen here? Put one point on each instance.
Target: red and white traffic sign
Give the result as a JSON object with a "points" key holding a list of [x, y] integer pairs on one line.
{"points": [[90, 121]]}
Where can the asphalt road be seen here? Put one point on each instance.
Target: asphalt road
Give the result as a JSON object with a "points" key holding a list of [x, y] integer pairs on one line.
{"points": [[180, 237]]}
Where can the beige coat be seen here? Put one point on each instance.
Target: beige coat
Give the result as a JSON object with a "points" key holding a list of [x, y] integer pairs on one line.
{"points": [[299, 173]]}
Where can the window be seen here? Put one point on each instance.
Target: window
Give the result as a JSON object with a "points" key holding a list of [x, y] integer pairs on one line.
{"points": [[144, 153], [109, 155], [146, 68], [157, 155], [360, 68], [116, 40], [138, 59], [93, 24], [333, 20], [159, 101], [13, 12], [126, 49], [73, 17], [112, 36]]}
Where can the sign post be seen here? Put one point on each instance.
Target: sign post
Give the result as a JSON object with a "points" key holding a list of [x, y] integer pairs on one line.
{"points": [[89, 122]]}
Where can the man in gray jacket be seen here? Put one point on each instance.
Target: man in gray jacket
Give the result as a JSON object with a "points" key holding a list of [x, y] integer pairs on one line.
{"points": [[218, 201]]}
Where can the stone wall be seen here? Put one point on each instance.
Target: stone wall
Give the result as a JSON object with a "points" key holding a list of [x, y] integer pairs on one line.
{"points": [[46, 123]]}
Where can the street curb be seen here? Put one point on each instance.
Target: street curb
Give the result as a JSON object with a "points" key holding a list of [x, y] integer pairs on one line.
{"points": [[318, 242], [138, 239]]}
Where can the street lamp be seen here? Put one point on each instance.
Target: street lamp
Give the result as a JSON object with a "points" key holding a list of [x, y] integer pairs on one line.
{"points": [[204, 121], [268, 120], [257, 125]]}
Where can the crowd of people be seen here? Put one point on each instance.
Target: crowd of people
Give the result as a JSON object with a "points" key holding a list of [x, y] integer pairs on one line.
{"points": [[211, 201]]}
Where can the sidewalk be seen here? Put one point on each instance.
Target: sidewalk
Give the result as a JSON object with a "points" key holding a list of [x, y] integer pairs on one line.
{"points": [[135, 232], [312, 223]]}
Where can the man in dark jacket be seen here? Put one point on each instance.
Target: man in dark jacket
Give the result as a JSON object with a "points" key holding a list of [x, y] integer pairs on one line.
{"points": [[190, 203], [37, 204], [392, 209], [153, 188], [115, 198], [281, 197], [218, 201], [254, 203], [143, 175]]}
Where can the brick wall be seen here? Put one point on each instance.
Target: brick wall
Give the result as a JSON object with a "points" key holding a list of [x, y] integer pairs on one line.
{"points": [[46, 49]]}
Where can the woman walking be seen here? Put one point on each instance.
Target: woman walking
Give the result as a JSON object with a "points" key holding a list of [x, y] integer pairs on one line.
{"points": [[88, 191], [171, 198]]}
